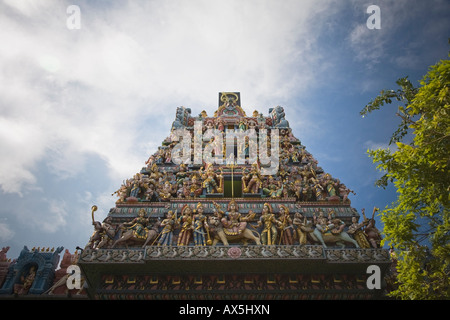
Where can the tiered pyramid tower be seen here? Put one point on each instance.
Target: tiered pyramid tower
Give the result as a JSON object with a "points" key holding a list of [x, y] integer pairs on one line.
{"points": [[233, 207]]}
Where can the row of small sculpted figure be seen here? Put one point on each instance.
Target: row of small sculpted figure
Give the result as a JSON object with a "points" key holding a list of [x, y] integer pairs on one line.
{"points": [[305, 183], [194, 226]]}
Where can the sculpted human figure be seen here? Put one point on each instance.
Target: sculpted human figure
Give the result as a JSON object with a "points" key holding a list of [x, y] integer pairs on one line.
{"points": [[168, 225], [252, 182], [3, 254], [303, 227], [232, 225], [233, 222], [317, 188], [355, 230], [185, 221], [274, 189], [182, 174], [326, 231], [212, 182], [106, 233], [121, 193], [297, 189], [268, 221], [136, 185], [195, 188], [26, 281], [166, 192], [337, 224], [330, 185], [344, 192], [286, 226], [200, 228], [372, 233], [137, 230], [138, 225]]}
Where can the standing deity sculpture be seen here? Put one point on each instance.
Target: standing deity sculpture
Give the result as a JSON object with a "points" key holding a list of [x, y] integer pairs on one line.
{"points": [[372, 233], [185, 221], [355, 230], [303, 227], [168, 225], [212, 182], [252, 182], [286, 226], [200, 226], [268, 222]]}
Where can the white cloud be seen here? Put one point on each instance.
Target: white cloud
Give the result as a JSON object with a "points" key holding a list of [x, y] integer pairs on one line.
{"points": [[5, 232], [68, 93], [405, 26]]}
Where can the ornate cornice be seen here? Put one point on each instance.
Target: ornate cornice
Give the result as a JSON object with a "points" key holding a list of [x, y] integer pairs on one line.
{"points": [[250, 253]]}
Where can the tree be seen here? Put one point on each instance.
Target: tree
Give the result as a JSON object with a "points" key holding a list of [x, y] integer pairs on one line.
{"points": [[417, 224]]}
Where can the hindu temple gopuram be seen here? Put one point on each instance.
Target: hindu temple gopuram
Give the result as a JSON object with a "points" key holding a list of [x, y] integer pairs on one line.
{"points": [[230, 206]]}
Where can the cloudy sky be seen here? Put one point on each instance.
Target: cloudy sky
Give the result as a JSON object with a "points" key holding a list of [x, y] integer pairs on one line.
{"points": [[82, 109]]}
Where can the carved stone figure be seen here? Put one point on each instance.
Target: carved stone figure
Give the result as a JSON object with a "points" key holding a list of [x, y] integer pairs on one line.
{"points": [[268, 221], [26, 281], [168, 225], [186, 224], [372, 233], [286, 226], [200, 228], [252, 183], [355, 230], [137, 231], [278, 118], [231, 226], [322, 234]]}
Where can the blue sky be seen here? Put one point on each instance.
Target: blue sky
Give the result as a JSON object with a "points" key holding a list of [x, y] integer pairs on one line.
{"points": [[81, 110]]}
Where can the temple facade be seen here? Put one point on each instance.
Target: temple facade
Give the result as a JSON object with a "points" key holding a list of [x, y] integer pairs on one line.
{"points": [[230, 206]]}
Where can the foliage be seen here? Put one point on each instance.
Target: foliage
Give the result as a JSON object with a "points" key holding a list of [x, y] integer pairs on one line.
{"points": [[418, 223]]}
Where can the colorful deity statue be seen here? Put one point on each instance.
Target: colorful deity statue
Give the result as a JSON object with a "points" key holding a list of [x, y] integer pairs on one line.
{"points": [[168, 225], [200, 226], [268, 222], [372, 233], [355, 230], [231, 225], [139, 225], [212, 182], [121, 193], [285, 226], [167, 191], [195, 188], [330, 185], [26, 281], [137, 230], [252, 182], [185, 221], [303, 227], [318, 189], [182, 174], [136, 185], [274, 188], [233, 221]]}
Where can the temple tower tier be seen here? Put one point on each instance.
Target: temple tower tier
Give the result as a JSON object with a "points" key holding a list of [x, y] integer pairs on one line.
{"points": [[233, 206]]}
